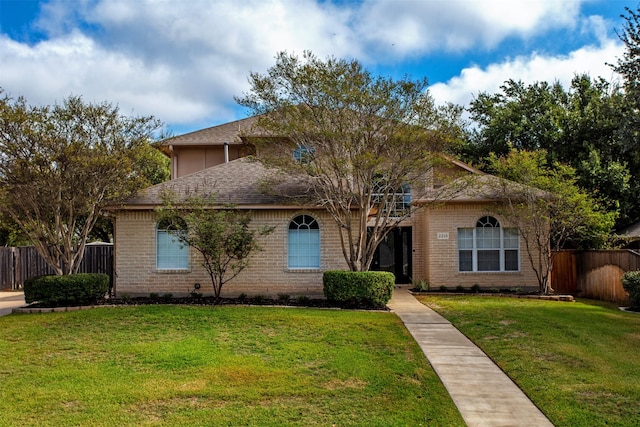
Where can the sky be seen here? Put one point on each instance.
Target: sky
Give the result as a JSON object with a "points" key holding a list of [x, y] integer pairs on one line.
{"points": [[183, 61]]}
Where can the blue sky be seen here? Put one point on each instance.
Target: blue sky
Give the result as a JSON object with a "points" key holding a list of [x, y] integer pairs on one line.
{"points": [[183, 61]]}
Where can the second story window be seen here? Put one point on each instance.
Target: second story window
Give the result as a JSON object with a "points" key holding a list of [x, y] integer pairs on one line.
{"points": [[396, 202], [304, 154]]}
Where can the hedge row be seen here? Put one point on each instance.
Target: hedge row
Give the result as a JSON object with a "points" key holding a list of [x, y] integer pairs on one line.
{"points": [[74, 289], [361, 288]]}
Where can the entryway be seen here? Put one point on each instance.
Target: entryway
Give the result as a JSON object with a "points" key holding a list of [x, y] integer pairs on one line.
{"points": [[394, 255]]}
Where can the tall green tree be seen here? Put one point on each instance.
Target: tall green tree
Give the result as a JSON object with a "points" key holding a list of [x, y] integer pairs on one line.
{"points": [[629, 65], [550, 211], [61, 165], [580, 127], [365, 145], [154, 167], [629, 68]]}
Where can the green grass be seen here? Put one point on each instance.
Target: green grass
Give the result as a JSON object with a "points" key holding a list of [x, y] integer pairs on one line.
{"points": [[579, 362], [186, 366]]}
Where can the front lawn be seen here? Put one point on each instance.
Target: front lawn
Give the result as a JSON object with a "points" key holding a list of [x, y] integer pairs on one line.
{"points": [[186, 366], [579, 362]]}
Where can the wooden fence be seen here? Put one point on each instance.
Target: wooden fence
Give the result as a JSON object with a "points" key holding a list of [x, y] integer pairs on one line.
{"points": [[21, 263], [594, 274]]}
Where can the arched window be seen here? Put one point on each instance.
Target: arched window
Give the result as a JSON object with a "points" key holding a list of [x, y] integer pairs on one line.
{"points": [[303, 243], [488, 247], [171, 252]]}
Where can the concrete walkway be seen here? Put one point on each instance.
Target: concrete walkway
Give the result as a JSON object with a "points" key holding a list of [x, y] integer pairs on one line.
{"points": [[9, 301], [484, 395]]}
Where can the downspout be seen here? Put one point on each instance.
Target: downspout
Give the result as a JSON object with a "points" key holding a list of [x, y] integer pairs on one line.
{"points": [[174, 163], [226, 152]]}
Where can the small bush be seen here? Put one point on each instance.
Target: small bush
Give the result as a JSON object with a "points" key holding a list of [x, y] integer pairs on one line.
{"points": [[73, 289], [303, 300], [195, 295], [475, 288], [421, 285], [284, 297], [368, 288], [443, 288], [631, 284], [460, 288]]}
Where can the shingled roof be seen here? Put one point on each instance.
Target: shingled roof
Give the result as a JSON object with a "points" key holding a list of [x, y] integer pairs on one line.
{"points": [[215, 135], [244, 182]]}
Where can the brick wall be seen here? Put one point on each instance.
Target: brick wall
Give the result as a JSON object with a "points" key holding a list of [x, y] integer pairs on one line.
{"points": [[434, 259], [267, 273], [441, 254]]}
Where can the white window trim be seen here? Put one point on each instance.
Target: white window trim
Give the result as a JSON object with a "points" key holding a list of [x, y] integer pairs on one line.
{"points": [[286, 246], [474, 253], [172, 269]]}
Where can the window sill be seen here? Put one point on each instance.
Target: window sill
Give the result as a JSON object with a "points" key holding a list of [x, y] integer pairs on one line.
{"points": [[172, 270], [464, 273], [302, 270]]}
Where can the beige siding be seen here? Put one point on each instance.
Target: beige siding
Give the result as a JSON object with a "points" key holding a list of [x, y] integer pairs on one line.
{"points": [[267, 273], [187, 160]]}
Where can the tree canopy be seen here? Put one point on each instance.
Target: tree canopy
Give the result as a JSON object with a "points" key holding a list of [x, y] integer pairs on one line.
{"points": [[579, 127], [548, 208], [366, 145], [61, 164]]}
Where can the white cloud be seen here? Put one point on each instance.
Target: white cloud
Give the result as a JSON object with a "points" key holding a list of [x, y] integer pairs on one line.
{"points": [[184, 61], [410, 27], [530, 69]]}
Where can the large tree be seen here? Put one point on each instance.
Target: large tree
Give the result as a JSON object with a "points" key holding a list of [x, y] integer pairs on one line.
{"points": [[366, 145], [629, 65], [61, 164], [579, 126], [548, 208]]}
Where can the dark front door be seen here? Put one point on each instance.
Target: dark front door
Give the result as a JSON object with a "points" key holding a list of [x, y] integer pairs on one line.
{"points": [[394, 254]]}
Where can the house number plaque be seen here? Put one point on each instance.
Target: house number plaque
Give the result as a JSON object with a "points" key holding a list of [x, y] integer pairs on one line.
{"points": [[442, 236]]}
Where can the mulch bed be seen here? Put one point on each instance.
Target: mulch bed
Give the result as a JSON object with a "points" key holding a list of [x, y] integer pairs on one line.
{"points": [[206, 301]]}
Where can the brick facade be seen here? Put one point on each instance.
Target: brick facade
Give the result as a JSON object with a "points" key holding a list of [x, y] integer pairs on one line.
{"points": [[435, 237], [267, 274], [434, 255]]}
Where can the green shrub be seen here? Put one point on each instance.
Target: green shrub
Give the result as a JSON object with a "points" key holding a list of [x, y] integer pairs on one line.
{"points": [[475, 288], [443, 288], [73, 289], [460, 288], [421, 285], [284, 297], [368, 288], [303, 300], [631, 284]]}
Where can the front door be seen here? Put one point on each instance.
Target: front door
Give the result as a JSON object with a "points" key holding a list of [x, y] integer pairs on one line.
{"points": [[393, 254]]}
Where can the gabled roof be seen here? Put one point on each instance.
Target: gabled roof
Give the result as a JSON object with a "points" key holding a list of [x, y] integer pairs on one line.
{"points": [[479, 187], [215, 135], [244, 182]]}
